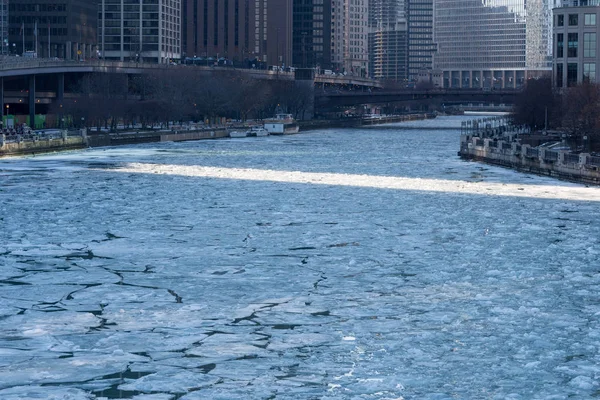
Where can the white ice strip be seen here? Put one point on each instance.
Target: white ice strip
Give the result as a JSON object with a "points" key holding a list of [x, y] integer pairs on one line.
{"points": [[575, 192]]}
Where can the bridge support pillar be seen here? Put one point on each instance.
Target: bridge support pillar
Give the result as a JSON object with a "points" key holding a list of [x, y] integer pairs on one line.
{"points": [[60, 97], [304, 80], [32, 101]]}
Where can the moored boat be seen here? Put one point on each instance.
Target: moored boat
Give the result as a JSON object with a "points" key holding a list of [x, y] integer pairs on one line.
{"points": [[258, 131], [238, 134], [282, 124]]}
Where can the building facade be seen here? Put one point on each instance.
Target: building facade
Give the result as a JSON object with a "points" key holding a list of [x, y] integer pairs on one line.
{"points": [[576, 53], [53, 28], [4, 43], [350, 36], [256, 31], [388, 40], [311, 37], [492, 44], [139, 30], [421, 46]]}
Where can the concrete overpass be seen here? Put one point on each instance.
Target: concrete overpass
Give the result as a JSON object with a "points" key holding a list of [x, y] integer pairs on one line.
{"points": [[20, 78]]}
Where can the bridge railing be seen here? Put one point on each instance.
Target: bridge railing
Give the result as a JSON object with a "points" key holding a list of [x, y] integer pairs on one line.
{"points": [[571, 158], [9, 63]]}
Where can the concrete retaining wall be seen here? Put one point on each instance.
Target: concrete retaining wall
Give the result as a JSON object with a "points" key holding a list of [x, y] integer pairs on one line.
{"points": [[39, 144], [580, 168]]}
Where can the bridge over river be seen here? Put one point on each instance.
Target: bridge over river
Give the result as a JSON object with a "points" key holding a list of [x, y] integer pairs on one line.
{"points": [[27, 84]]}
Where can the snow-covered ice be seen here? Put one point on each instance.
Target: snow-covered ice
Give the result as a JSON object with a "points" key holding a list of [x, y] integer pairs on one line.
{"points": [[337, 264]]}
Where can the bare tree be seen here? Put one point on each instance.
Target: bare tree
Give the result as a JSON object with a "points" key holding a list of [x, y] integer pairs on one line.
{"points": [[581, 112], [535, 103]]}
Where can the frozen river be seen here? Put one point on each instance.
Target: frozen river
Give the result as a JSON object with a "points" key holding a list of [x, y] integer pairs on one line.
{"points": [[338, 264]]}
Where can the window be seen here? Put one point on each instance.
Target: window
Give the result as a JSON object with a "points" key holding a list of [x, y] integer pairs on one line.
{"points": [[571, 74], [560, 43], [559, 75], [560, 20], [572, 45], [589, 19], [589, 71], [573, 19], [589, 44]]}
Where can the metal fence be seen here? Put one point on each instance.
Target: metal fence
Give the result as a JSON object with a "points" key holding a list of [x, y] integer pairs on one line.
{"points": [[531, 152], [550, 155], [593, 160], [571, 158]]}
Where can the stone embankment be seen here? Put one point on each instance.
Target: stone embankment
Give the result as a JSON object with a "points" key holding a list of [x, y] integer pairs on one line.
{"points": [[79, 139], [31, 144], [501, 146], [68, 140]]}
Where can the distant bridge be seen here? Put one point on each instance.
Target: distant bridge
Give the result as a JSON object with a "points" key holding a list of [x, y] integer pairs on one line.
{"points": [[329, 99], [20, 91]]}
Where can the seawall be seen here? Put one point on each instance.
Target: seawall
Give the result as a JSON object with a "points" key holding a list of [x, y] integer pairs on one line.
{"points": [[32, 144], [581, 168]]}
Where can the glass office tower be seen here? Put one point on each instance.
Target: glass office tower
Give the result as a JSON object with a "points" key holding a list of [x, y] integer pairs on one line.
{"points": [[492, 43]]}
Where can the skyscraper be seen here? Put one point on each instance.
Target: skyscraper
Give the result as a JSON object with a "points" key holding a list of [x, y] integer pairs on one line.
{"points": [[144, 30], [239, 30], [312, 33], [64, 29], [576, 46], [349, 36], [387, 40], [4, 43], [421, 46], [495, 43]]}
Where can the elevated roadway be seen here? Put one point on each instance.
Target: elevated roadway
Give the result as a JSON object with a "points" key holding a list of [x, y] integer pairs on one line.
{"points": [[329, 99]]}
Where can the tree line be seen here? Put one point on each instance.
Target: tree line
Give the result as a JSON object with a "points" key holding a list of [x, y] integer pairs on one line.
{"points": [[178, 95], [572, 110]]}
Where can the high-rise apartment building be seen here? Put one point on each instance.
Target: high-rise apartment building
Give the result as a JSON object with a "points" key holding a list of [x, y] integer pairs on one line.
{"points": [[350, 36], [239, 30], [142, 30], [576, 53], [388, 40], [312, 33], [4, 43], [421, 46], [495, 44], [51, 28]]}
